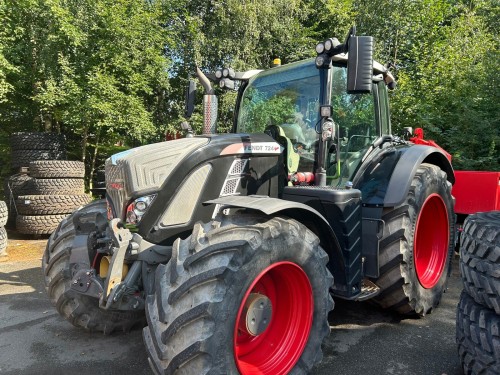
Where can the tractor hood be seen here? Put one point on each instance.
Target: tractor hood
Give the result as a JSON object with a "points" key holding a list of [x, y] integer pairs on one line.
{"points": [[142, 170]]}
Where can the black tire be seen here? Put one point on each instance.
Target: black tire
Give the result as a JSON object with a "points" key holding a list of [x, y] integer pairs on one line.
{"points": [[3, 242], [43, 224], [58, 186], [23, 158], [37, 141], [80, 310], [411, 286], [100, 175], [57, 169], [50, 204], [18, 184], [193, 313], [478, 337], [480, 258], [4, 213]]}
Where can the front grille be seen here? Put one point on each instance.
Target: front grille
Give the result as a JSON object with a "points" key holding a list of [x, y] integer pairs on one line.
{"points": [[115, 188]]}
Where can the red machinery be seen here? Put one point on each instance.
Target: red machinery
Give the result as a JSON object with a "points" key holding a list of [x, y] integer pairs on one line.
{"points": [[474, 191]]}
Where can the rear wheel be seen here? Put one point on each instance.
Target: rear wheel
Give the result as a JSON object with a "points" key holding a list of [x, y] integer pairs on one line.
{"points": [[248, 297], [417, 245], [80, 310]]}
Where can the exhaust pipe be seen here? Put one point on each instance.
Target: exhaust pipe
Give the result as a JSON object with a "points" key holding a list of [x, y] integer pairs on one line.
{"points": [[210, 105]]}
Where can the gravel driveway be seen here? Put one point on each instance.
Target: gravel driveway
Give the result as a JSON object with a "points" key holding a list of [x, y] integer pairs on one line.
{"points": [[364, 339]]}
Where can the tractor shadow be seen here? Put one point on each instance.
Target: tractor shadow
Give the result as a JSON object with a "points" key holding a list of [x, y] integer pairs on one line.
{"points": [[368, 313]]}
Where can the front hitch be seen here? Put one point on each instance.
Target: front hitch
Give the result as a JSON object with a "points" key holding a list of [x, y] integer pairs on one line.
{"points": [[116, 287]]}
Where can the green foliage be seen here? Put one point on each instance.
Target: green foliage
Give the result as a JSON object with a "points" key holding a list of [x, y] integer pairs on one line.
{"points": [[106, 72], [88, 69], [262, 111], [452, 89]]}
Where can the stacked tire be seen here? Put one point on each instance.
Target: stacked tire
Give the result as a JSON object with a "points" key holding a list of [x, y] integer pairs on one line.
{"points": [[478, 312], [25, 148], [14, 186], [56, 190], [4, 214]]}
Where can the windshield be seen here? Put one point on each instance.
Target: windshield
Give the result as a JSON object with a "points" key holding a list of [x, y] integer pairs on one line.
{"points": [[287, 99]]}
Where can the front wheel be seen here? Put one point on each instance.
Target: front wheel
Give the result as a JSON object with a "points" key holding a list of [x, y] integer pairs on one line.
{"points": [[80, 310], [249, 296], [417, 245]]}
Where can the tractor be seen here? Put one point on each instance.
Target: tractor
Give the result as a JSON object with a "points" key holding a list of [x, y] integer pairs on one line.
{"points": [[228, 248]]}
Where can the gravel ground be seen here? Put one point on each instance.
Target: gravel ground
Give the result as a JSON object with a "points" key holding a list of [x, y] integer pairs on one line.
{"points": [[364, 339]]}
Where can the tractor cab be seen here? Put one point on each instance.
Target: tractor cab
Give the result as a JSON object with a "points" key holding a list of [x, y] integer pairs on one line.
{"points": [[285, 103]]}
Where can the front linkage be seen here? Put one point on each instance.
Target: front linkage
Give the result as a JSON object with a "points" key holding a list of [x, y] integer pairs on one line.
{"points": [[109, 277]]}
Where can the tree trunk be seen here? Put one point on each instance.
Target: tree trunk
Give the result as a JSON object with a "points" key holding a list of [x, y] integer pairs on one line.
{"points": [[94, 158], [85, 136]]}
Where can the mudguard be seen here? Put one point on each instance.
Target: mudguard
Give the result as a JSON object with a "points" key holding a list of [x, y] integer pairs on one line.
{"points": [[385, 178], [305, 215]]}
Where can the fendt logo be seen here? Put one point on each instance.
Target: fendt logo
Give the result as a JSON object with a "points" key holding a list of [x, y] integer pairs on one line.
{"points": [[261, 148], [253, 148]]}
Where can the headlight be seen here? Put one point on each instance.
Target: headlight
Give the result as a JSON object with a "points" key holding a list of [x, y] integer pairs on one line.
{"points": [[226, 83], [330, 44], [228, 73], [138, 208], [320, 61], [320, 48]]}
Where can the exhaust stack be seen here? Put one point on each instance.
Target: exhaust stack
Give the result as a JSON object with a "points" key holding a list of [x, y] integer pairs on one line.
{"points": [[210, 104]]}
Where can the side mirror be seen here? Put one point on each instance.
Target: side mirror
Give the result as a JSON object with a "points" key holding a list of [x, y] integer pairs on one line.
{"points": [[360, 64], [190, 94]]}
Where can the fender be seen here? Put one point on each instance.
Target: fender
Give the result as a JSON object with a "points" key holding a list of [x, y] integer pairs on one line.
{"points": [[405, 170], [386, 178], [305, 215]]}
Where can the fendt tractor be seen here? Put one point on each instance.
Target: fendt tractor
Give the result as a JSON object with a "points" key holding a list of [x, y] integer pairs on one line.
{"points": [[230, 246]]}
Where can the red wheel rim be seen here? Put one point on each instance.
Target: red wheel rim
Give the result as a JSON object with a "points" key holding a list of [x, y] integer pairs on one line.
{"points": [[278, 348], [431, 241]]}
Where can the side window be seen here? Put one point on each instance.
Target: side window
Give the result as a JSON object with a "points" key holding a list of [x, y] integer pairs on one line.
{"points": [[354, 115], [385, 117]]}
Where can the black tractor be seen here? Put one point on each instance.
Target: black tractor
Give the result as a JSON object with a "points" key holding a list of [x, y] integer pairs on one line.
{"points": [[230, 246]]}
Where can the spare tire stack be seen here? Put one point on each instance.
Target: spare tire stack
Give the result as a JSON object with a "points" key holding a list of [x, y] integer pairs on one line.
{"points": [[40, 199], [27, 147], [58, 189], [14, 186], [478, 312], [4, 213]]}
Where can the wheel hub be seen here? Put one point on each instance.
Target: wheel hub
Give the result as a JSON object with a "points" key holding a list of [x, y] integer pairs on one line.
{"points": [[258, 312]]}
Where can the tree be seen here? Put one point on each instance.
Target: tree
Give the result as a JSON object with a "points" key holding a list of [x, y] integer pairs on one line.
{"points": [[90, 69]]}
